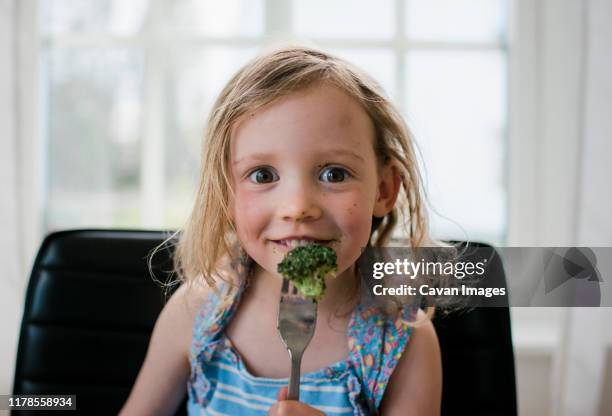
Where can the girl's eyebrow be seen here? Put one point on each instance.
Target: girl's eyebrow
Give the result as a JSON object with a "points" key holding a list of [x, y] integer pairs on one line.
{"points": [[331, 152], [255, 156], [345, 152]]}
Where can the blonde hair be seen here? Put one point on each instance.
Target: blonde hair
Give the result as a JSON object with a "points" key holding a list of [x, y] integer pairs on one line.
{"points": [[207, 244]]}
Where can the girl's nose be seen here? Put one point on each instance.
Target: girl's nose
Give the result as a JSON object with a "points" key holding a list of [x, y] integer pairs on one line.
{"points": [[299, 204]]}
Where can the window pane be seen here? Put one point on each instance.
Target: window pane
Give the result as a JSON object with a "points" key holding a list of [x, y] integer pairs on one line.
{"points": [[378, 63], [195, 79], [216, 18], [455, 20], [118, 17], [93, 108], [457, 110], [344, 18]]}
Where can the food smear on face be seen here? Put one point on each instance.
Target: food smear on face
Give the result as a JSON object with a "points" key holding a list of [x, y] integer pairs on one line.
{"points": [[307, 267]]}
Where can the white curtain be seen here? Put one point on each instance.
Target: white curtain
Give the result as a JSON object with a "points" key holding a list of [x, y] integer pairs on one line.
{"points": [[580, 362], [561, 178]]}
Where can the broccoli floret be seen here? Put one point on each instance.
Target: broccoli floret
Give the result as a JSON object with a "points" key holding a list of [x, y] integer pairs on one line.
{"points": [[307, 267]]}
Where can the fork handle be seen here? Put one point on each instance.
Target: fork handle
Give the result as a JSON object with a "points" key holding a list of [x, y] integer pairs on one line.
{"points": [[294, 378]]}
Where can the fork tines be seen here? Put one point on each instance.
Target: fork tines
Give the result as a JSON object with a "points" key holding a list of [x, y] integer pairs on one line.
{"points": [[289, 290]]}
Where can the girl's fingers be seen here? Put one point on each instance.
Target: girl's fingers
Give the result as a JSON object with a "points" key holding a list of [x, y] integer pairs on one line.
{"points": [[293, 408], [284, 407], [282, 394]]}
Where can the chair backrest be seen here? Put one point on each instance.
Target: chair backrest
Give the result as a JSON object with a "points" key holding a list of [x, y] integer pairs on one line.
{"points": [[89, 311], [91, 306], [477, 352]]}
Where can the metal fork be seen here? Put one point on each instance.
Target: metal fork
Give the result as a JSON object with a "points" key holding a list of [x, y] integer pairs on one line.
{"points": [[297, 318]]}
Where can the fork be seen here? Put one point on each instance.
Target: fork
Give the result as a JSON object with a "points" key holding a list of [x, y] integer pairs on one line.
{"points": [[297, 318]]}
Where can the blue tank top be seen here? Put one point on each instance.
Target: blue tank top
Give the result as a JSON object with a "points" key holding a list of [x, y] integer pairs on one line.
{"points": [[220, 383]]}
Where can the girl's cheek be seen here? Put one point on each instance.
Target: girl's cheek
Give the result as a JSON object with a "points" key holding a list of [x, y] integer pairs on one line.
{"points": [[246, 201], [355, 218], [352, 209], [246, 210], [357, 205]]}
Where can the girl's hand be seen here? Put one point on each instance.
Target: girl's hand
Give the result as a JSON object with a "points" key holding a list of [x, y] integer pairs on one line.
{"points": [[286, 407]]}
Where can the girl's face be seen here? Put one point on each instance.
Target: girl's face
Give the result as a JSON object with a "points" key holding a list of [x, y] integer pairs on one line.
{"points": [[304, 168]]}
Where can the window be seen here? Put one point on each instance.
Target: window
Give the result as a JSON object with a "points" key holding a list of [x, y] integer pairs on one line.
{"points": [[126, 88]]}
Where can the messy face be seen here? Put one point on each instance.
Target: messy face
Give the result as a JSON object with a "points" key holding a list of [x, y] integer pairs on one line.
{"points": [[304, 169]]}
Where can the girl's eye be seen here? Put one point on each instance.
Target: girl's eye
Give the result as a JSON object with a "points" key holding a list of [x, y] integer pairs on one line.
{"points": [[334, 174], [263, 175]]}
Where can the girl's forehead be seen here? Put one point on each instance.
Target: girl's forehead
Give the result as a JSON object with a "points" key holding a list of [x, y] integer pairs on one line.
{"points": [[321, 116]]}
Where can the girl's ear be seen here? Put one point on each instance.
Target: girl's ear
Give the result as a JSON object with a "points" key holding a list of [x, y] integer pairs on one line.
{"points": [[387, 190]]}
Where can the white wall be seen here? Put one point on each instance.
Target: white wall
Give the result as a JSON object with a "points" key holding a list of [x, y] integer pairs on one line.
{"points": [[11, 278], [19, 170]]}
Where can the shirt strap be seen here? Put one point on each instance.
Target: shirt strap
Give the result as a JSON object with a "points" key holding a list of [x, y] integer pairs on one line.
{"points": [[376, 343], [216, 311]]}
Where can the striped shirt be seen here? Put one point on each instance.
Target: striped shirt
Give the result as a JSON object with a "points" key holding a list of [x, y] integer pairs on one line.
{"points": [[220, 383]]}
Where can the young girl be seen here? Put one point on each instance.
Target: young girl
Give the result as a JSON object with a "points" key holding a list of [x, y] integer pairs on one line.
{"points": [[300, 147]]}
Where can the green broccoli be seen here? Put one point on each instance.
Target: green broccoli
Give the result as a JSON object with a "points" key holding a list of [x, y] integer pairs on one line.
{"points": [[307, 267]]}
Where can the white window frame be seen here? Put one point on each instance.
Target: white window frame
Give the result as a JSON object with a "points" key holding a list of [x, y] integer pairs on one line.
{"points": [[277, 28]]}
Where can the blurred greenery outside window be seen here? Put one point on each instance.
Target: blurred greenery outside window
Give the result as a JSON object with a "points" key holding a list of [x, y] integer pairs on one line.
{"points": [[126, 88]]}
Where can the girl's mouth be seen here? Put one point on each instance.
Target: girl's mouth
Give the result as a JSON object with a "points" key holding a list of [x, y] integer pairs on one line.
{"points": [[292, 243]]}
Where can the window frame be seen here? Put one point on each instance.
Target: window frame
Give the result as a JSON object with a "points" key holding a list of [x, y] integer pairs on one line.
{"points": [[277, 28]]}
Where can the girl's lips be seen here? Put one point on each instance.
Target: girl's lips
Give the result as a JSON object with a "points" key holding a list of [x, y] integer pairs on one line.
{"points": [[292, 243]]}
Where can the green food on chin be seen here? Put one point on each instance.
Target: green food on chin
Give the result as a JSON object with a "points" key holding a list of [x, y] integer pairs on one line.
{"points": [[307, 267]]}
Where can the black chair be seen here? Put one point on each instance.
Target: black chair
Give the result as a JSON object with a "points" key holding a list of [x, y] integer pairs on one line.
{"points": [[477, 353], [89, 311], [91, 305]]}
